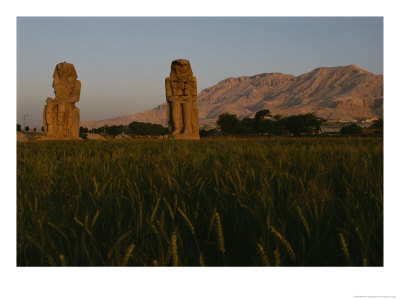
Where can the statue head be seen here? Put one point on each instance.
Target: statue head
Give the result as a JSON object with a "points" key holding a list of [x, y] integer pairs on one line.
{"points": [[181, 67], [64, 82], [65, 71]]}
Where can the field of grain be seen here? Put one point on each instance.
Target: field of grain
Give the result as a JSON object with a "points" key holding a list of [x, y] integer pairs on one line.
{"points": [[266, 202]]}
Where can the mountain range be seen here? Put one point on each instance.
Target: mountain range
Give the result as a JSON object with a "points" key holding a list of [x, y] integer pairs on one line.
{"points": [[334, 93]]}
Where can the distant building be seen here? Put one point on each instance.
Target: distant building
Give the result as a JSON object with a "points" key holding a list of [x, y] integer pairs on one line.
{"points": [[370, 120]]}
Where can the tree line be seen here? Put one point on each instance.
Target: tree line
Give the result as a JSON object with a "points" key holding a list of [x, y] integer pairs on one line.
{"points": [[354, 129], [134, 128], [264, 123]]}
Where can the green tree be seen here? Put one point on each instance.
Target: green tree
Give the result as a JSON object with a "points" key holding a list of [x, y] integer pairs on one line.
{"points": [[294, 125], [353, 128], [266, 126], [305, 123], [114, 130], [246, 126], [27, 128], [82, 133], [261, 114], [278, 126], [278, 117], [377, 124], [228, 123], [312, 123], [207, 133], [18, 127], [262, 125], [141, 128]]}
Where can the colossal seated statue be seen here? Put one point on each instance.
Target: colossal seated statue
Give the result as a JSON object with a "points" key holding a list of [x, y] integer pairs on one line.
{"points": [[60, 115], [181, 94]]}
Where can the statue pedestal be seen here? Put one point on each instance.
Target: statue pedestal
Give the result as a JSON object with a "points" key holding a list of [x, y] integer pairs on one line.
{"points": [[184, 137]]}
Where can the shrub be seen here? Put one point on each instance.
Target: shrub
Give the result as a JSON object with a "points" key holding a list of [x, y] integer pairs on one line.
{"points": [[351, 129]]}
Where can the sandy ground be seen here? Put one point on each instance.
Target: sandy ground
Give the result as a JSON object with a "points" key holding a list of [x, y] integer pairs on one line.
{"points": [[95, 136], [123, 137], [27, 136]]}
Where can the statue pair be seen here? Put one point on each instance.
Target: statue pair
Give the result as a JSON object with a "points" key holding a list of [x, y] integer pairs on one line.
{"points": [[61, 116]]}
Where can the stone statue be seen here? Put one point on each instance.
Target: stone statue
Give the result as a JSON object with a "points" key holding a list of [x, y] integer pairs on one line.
{"points": [[181, 94], [60, 115]]}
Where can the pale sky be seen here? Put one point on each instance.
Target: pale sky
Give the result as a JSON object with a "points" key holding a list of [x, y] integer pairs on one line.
{"points": [[122, 62]]}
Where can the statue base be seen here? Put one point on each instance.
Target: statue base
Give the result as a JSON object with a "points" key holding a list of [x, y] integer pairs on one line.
{"points": [[184, 137]]}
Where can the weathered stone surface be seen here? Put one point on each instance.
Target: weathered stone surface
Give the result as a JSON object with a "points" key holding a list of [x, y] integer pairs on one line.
{"points": [[181, 94], [60, 115]]}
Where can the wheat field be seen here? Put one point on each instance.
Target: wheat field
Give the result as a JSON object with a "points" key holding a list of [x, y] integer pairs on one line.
{"points": [[254, 202]]}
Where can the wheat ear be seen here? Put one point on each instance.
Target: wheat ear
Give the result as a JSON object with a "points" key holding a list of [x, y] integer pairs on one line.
{"points": [[219, 233], [285, 243]]}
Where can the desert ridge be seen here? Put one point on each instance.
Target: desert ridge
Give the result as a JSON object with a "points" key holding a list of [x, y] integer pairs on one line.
{"points": [[333, 93]]}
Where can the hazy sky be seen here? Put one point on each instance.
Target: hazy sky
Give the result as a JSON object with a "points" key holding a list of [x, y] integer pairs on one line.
{"points": [[122, 62]]}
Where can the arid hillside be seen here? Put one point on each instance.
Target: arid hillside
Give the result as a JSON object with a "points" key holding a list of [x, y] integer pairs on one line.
{"points": [[334, 93]]}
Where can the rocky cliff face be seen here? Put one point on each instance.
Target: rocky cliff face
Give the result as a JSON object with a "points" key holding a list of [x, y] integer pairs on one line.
{"points": [[346, 93]]}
